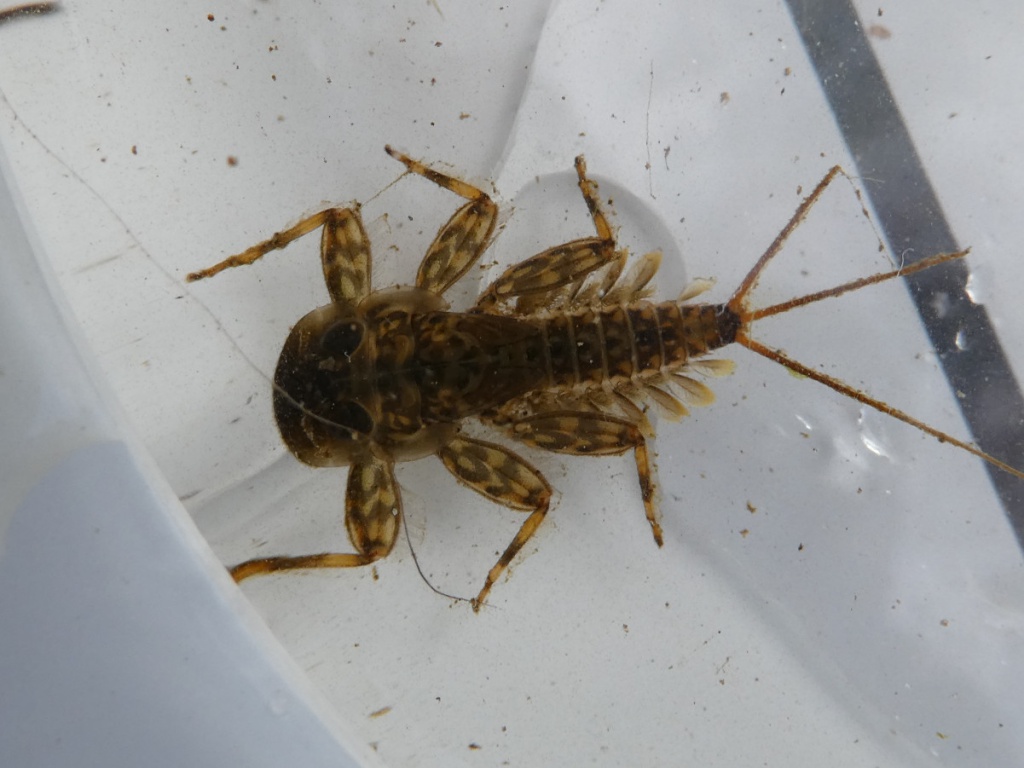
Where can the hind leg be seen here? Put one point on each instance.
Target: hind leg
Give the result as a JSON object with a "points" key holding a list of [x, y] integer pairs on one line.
{"points": [[505, 478], [585, 433], [543, 276]]}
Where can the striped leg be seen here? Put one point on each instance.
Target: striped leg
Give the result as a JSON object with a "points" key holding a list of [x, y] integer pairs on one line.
{"points": [[505, 478], [583, 433], [373, 512]]}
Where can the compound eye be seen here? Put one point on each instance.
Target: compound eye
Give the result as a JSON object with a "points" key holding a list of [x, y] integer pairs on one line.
{"points": [[342, 339]]}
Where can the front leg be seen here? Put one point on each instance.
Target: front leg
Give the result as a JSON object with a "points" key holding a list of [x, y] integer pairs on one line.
{"points": [[344, 252], [373, 513]]}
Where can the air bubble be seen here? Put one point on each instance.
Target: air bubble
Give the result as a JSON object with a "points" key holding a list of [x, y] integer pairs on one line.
{"points": [[961, 340]]}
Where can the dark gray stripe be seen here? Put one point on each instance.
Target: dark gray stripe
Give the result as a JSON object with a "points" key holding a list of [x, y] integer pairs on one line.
{"points": [[915, 226]]}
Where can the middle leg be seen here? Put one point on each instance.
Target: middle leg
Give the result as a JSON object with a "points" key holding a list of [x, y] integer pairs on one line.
{"points": [[461, 241]]}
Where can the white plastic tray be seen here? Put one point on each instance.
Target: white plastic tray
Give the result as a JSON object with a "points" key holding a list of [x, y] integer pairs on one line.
{"points": [[869, 611]]}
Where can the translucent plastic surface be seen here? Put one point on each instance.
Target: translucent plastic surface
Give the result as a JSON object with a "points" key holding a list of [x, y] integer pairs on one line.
{"points": [[834, 587]]}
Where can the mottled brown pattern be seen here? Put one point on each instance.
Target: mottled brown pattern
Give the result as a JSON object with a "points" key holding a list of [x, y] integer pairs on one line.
{"points": [[345, 254], [560, 352]]}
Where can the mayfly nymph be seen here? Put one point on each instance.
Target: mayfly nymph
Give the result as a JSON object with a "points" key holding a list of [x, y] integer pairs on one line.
{"points": [[563, 352]]}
